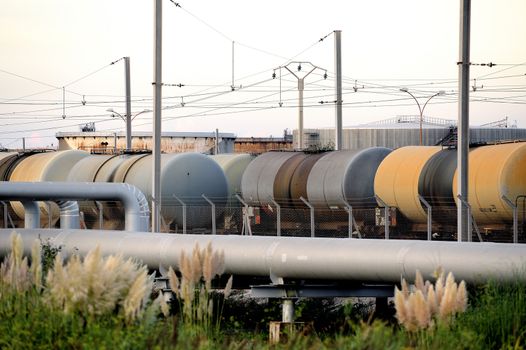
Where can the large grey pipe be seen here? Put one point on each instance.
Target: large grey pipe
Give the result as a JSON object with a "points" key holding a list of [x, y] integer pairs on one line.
{"points": [[136, 209], [69, 214], [302, 258]]}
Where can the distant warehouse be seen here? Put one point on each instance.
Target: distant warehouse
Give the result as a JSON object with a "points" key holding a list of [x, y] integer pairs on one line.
{"points": [[171, 142], [405, 130]]}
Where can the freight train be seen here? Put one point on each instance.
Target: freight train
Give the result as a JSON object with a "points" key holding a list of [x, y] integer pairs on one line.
{"points": [[331, 183]]}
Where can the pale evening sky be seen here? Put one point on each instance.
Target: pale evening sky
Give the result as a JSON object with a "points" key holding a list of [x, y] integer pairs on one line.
{"points": [[47, 45]]}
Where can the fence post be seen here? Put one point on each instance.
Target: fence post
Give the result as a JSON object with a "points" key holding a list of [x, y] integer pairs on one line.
{"points": [[515, 218], [429, 216], [246, 219], [213, 213], [386, 216], [471, 221], [184, 212], [352, 222], [101, 216], [278, 215], [312, 228], [5, 213], [7, 218]]}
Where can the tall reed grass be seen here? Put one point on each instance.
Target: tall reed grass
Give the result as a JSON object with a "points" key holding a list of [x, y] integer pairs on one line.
{"points": [[98, 285], [193, 291], [16, 272], [426, 304]]}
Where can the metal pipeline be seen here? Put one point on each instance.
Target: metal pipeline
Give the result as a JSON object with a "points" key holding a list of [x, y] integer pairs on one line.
{"points": [[69, 214], [301, 258], [136, 209], [31, 214]]}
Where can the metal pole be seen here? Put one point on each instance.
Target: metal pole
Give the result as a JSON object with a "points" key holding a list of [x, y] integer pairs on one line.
{"points": [[101, 215], [184, 213], [128, 103], [312, 228], [429, 217], [386, 216], [5, 213], [63, 102], [515, 218], [301, 86], [463, 226], [421, 122], [467, 234], [420, 109], [338, 64], [114, 143], [156, 151], [24, 144], [233, 86], [216, 144], [213, 213], [278, 215]]}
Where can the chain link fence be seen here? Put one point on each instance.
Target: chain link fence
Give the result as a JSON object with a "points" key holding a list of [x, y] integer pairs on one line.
{"points": [[291, 219]]}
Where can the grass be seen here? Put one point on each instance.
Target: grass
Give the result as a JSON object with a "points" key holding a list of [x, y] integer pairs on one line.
{"points": [[30, 318]]}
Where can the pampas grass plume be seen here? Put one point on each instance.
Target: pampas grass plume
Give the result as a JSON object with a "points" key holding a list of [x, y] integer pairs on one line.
{"points": [[134, 300], [401, 311], [419, 308], [228, 287], [462, 297], [174, 282]]}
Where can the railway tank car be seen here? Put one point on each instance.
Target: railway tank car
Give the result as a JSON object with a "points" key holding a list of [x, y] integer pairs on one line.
{"points": [[326, 180], [233, 166], [49, 166], [186, 176], [496, 171], [397, 178], [431, 172], [100, 168]]}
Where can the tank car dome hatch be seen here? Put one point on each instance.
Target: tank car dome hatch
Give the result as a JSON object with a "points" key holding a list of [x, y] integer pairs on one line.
{"points": [[233, 165], [495, 171], [50, 166], [343, 177], [397, 179], [186, 176]]}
